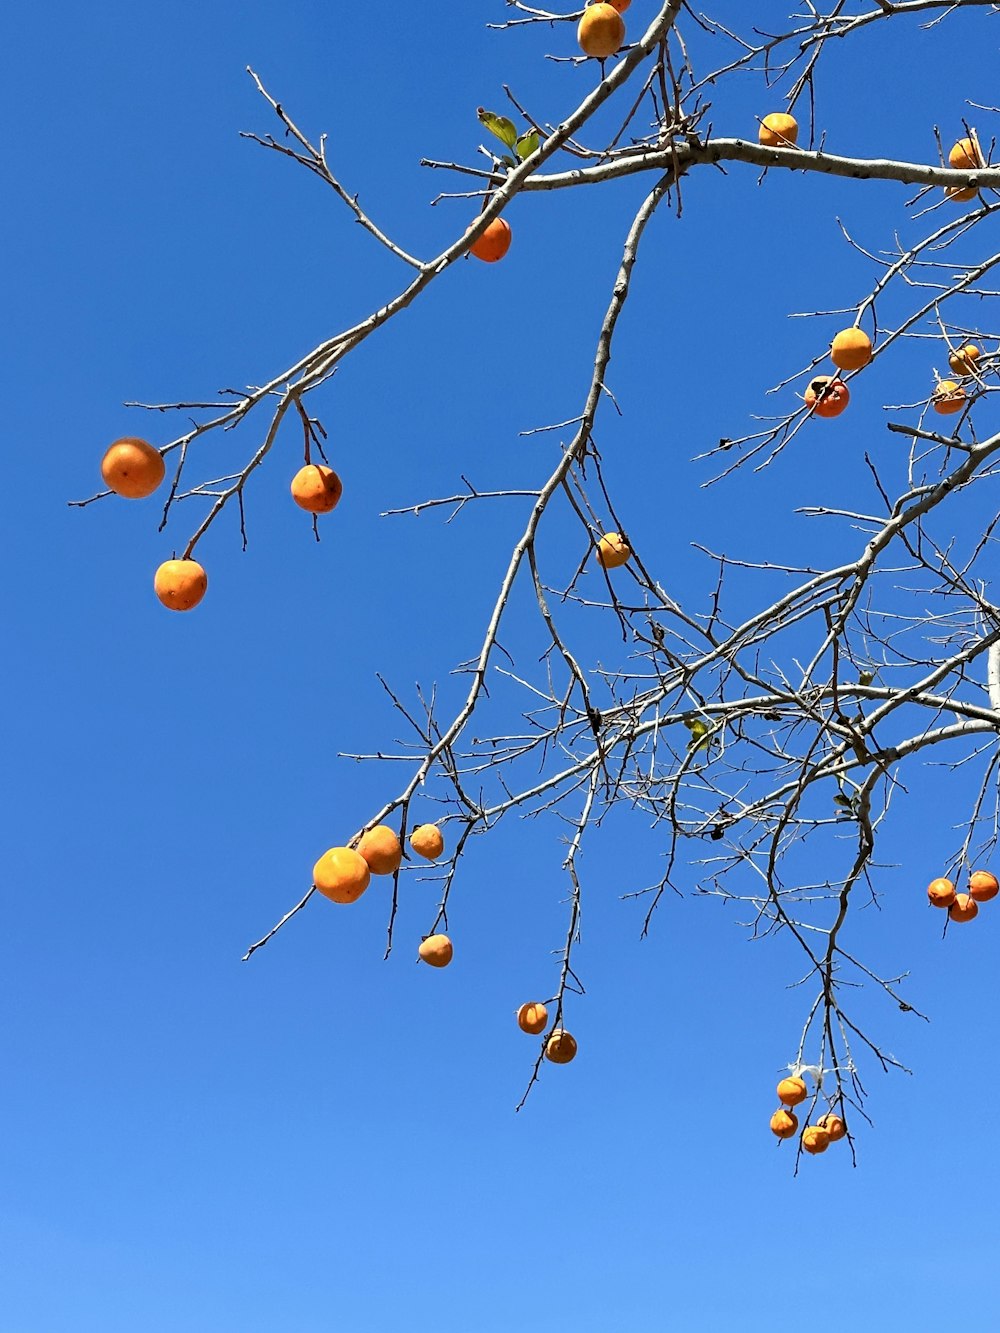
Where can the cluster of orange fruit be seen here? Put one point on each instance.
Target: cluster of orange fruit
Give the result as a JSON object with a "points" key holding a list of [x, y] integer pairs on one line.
{"points": [[601, 32], [963, 906], [785, 1123], [134, 468], [561, 1046]]}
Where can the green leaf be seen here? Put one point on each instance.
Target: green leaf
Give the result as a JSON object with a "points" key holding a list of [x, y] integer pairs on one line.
{"points": [[844, 801], [527, 144], [504, 129]]}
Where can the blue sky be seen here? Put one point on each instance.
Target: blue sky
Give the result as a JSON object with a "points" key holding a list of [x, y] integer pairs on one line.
{"points": [[320, 1140]]}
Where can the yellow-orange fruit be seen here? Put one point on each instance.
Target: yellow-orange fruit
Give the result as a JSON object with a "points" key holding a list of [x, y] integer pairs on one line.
{"points": [[560, 1047], [815, 1139], [827, 397], [494, 242], [532, 1018], [427, 841], [601, 31], [833, 1125], [784, 1123], [620, 5], [180, 584], [793, 1090], [964, 908], [963, 360], [341, 875], [132, 467], [851, 349], [960, 194], [381, 849], [983, 886], [949, 397], [316, 488], [613, 550], [941, 892], [778, 130], [436, 950], [965, 156]]}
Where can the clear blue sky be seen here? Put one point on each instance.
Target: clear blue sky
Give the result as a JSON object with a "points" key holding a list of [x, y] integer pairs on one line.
{"points": [[319, 1140]]}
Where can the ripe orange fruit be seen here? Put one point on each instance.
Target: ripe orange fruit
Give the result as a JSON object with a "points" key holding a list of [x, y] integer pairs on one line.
{"points": [[964, 908], [560, 1047], [963, 359], [383, 851], [827, 397], [793, 1090], [132, 467], [961, 194], [341, 875], [949, 397], [613, 550], [601, 31], [983, 886], [436, 950], [815, 1138], [784, 1123], [180, 584], [532, 1018], [778, 130], [316, 489], [427, 841], [965, 155], [620, 5], [851, 349], [833, 1125], [494, 242], [941, 892]]}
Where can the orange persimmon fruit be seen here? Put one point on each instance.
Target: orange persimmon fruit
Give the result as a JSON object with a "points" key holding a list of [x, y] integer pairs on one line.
{"points": [[778, 130], [381, 848], [601, 31], [316, 489], [941, 892], [960, 194], [560, 1047], [342, 875], [436, 950], [613, 550], [834, 1126], [827, 397], [532, 1017], [427, 841], [965, 156], [983, 886], [180, 584], [949, 397], [792, 1090], [964, 908], [784, 1123], [620, 5], [132, 467], [815, 1139], [494, 242], [963, 359], [851, 349]]}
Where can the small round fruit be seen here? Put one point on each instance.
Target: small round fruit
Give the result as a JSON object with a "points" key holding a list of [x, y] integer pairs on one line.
{"points": [[793, 1090], [427, 841], [960, 194], [964, 908], [827, 397], [316, 489], [963, 360], [613, 550], [833, 1125], [494, 242], [436, 950], [851, 349], [601, 31], [180, 584], [941, 892], [341, 875], [132, 468], [532, 1018], [778, 130], [965, 156], [983, 886], [949, 397], [560, 1047], [815, 1139], [381, 849], [784, 1123]]}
